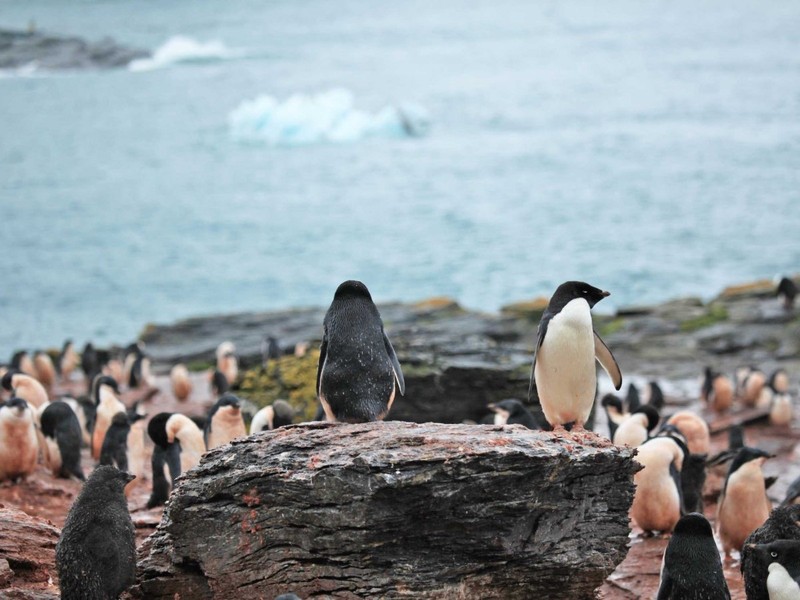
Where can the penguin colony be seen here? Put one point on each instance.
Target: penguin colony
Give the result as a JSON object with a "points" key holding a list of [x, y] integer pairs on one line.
{"points": [[358, 379]]}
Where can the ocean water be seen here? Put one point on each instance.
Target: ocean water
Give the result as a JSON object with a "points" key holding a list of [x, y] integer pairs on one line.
{"points": [[650, 148]]}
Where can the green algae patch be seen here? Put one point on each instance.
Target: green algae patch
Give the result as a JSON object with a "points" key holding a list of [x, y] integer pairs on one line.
{"points": [[715, 313], [290, 377]]}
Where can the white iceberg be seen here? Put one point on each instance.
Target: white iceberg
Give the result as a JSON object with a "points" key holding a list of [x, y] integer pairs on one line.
{"points": [[182, 49], [325, 117]]}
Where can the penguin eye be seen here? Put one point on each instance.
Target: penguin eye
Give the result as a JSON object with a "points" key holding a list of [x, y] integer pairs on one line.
{"points": [[773, 554]]}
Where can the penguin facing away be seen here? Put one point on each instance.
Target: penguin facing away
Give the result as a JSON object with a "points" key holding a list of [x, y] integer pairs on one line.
{"points": [[96, 553], [104, 390], [62, 434], [691, 567], [68, 359], [743, 505], [19, 447], [45, 369], [694, 429], [358, 374], [181, 384], [563, 370]]}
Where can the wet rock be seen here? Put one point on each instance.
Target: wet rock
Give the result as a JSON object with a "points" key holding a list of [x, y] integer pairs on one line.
{"points": [[50, 51], [394, 510]]}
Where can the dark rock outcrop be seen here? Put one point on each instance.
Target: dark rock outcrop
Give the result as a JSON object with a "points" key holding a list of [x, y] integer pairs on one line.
{"points": [[395, 510], [52, 52]]}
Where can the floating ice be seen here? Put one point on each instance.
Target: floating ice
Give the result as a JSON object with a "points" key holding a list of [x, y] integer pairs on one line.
{"points": [[182, 49], [325, 117]]}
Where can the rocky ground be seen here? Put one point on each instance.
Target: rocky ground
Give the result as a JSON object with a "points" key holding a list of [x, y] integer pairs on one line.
{"points": [[456, 361]]}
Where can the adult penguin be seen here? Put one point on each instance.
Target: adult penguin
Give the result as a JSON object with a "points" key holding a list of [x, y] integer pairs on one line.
{"points": [[563, 374], [62, 435], [358, 375]]}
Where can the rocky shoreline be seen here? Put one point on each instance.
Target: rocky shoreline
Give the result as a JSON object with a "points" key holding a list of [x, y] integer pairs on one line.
{"points": [[470, 358], [22, 49]]}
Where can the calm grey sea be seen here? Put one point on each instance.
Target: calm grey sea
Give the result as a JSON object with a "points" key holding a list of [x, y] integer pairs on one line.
{"points": [[650, 148]]}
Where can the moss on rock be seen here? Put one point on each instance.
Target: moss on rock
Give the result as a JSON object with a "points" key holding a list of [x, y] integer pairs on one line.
{"points": [[292, 378], [715, 313]]}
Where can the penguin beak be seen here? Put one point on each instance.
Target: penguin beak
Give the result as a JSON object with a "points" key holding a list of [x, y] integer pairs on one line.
{"points": [[492, 407], [606, 294], [129, 477]]}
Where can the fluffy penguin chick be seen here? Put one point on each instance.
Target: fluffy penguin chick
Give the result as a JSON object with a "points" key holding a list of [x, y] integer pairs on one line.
{"points": [[68, 360], [780, 412], [224, 422], [783, 524], [657, 500], [691, 568], [62, 434], [717, 391], [743, 505], [181, 384], [96, 553], [19, 447], [358, 374], [227, 363], [45, 369], [563, 374], [634, 430]]}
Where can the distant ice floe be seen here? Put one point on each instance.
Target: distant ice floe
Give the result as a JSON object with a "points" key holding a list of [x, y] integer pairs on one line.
{"points": [[328, 116], [182, 49]]}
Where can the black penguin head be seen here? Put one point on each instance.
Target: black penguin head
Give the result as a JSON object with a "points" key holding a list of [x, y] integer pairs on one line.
{"points": [[284, 413], [157, 429], [570, 290], [735, 437], [102, 380], [352, 289], [18, 404], [66, 346], [693, 524], [510, 405], [612, 401], [16, 359], [110, 478], [745, 455], [668, 429], [120, 420], [6, 382], [228, 400], [785, 552], [652, 416]]}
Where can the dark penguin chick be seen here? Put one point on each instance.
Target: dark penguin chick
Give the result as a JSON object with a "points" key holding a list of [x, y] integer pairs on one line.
{"points": [[45, 369], [743, 505], [782, 584], [655, 396], [691, 568], [62, 434], [90, 363], [783, 524], [219, 384], [716, 391], [96, 553], [358, 375], [280, 413], [632, 399], [736, 437], [786, 292], [224, 422], [104, 393], [512, 411], [19, 446], [115, 444], [635, 429], [657, 502], [779, 381], [615, 414], [563, 374]]}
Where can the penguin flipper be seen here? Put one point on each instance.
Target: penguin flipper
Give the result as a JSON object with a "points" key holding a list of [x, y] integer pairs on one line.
{"points": [[605, 358], [398, 372], [541, 332], [676, 478], [792, 493], [173, 460], [665, 589], [323, 353]]}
